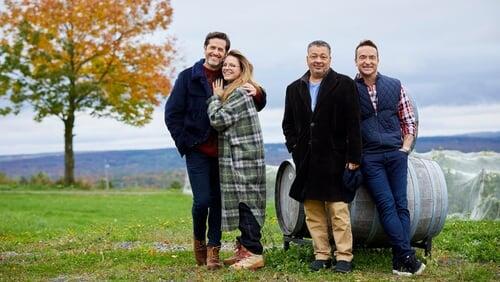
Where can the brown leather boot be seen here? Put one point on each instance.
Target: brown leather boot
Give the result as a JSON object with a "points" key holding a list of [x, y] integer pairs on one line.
{"points": [[200, 252], [236, 256], [213, 261]]}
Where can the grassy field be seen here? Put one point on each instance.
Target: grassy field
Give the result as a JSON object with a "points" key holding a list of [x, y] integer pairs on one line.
{"points": [[146, 235]]}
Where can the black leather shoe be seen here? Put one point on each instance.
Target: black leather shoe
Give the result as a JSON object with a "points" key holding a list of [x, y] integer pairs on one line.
{"points": [[343, 266], [320, 264]]}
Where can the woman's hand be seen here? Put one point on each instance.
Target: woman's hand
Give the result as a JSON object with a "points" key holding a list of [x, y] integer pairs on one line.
{"points": [[218, 86]]}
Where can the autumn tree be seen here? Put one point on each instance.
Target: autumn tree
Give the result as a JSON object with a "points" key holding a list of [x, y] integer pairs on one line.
{"points": [[66, 56]]}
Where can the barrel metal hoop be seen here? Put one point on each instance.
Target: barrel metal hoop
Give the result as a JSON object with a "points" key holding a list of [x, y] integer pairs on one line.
{"points": [[291, 223], [430, 230], [416, 197], [277, 192], [444, 199], [375, 224]]}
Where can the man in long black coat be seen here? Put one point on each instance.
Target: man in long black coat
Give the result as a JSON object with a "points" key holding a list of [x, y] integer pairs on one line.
{"points": [[322, 131]]}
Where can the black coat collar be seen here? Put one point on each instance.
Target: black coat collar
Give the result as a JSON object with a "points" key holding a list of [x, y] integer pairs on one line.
{"points": [[328, 82]]}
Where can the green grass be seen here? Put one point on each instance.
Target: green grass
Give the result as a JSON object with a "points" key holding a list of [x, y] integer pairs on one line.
{"points": [[146, 235]]}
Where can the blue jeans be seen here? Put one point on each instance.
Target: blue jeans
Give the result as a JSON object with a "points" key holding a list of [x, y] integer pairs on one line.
{"points": [[385, 175], [203, 172]]}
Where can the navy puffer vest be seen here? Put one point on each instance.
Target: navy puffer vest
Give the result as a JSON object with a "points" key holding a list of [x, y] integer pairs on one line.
{"points": [[380, 129]]}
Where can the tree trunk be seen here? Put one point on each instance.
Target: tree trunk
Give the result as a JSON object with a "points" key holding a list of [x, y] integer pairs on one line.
{"points": [[69, 159]]}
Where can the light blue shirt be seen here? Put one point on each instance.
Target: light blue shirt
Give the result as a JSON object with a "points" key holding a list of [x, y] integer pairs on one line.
{"points": [[313, 90]]}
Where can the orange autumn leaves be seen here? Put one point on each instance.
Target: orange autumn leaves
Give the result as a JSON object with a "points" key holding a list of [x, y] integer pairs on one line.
{"points": [[87, 55]]}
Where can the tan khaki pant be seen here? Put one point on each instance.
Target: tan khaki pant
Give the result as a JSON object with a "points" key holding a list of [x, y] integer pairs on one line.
{"points": [[317, 222]]}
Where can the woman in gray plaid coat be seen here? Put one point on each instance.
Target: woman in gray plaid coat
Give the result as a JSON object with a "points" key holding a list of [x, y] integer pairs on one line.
{"points": [[242, 168]]}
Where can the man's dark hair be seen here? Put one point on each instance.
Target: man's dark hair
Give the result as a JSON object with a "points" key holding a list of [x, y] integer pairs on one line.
{"points": [[320, 43], [365, 42], [218, 35]]}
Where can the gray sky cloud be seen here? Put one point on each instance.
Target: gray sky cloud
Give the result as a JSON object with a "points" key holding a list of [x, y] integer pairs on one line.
{"points": [[434, 47]]}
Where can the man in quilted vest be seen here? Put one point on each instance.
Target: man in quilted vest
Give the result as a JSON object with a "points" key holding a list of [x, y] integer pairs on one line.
{"points": [[388, 129]]}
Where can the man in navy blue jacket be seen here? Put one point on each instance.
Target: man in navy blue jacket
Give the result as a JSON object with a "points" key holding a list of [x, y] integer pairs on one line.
{"points": [[187, 120], [388, 128]]}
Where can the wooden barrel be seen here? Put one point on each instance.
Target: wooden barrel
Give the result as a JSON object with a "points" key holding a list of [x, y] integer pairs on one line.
{"points": [[427, 203], [290, 213]]}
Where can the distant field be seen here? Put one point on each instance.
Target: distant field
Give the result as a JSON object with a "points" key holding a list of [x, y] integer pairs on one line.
{"points": [[159, 167], [139, 235]]}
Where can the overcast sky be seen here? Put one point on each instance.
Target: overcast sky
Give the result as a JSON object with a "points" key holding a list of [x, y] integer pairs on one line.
{"points": [[446, 53]]}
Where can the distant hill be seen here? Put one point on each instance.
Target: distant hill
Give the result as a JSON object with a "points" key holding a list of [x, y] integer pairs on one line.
{"points": [[93, 163], [473, 142], [140, 165], [118, 163]]}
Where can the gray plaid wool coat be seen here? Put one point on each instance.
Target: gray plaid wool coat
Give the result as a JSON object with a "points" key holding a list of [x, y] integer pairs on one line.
{"points": [[242, 168]]}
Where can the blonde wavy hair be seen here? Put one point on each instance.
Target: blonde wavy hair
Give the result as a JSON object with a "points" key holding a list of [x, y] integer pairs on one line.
{"points": [[245, 76]]}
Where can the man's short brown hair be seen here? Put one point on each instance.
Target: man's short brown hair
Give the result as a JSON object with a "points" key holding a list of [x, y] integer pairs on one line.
{"points": [[218, 35], [365, 42]]}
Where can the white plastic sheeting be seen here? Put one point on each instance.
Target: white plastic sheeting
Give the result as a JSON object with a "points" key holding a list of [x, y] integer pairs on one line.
{"points": [[473, 181]]}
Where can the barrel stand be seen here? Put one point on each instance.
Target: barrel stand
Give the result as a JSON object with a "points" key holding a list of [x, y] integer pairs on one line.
{"points": [[425, 244], [297, 240]]}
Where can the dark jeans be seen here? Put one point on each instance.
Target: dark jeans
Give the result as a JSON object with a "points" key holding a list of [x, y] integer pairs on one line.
{"points": [[385, 174], [203, 172], [250, 230]]}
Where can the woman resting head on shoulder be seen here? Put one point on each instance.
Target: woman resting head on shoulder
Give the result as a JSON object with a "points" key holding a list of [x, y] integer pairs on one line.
{"points": [[242, 169], [237, 72]]}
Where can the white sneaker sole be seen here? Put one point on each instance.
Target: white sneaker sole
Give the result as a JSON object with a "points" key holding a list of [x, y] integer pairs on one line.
{"points": [[402, 273], [420, 270]]}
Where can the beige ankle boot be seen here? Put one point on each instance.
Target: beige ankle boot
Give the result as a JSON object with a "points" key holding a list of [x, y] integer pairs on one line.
{"points": [[236, 256], [248, 260]]}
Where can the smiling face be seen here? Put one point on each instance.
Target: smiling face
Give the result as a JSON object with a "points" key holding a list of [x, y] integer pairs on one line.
{"points": [[231, 68], [214, 53], [318, 61], [367, 61]]}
